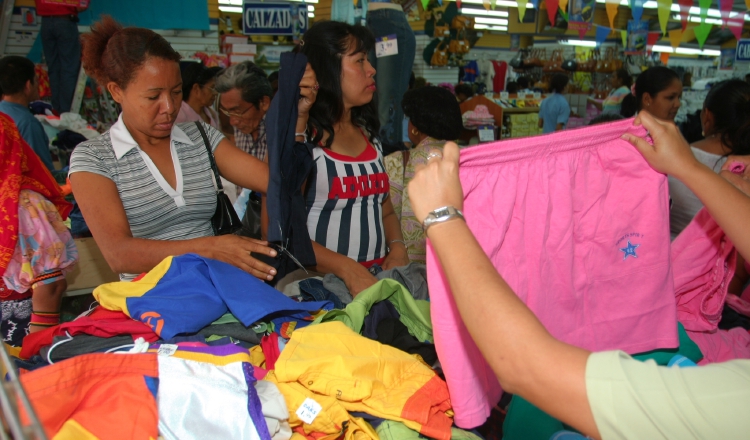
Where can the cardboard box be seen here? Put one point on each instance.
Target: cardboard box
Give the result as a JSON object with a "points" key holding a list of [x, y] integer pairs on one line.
{"points": [[245, 49], [92, 269], [233, 39]]}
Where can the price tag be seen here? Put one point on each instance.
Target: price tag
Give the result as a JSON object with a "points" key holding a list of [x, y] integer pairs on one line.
{"points": [[504, 95], [386, 46], [486, 133], [521, 96], [537, 95], [308, 411], [167, 350]]}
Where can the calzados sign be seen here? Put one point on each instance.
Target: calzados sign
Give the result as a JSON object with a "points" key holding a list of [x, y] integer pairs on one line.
{"points": [[274, 18], [743, 51]]}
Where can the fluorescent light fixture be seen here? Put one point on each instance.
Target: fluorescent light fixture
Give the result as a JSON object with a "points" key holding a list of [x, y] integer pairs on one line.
{"points": [[491, 28], [237, 9], [468, 11], [686, 50], [505, 3], [485, 20], [584, 43], [311, 8], [694, 19], [311, 15]]}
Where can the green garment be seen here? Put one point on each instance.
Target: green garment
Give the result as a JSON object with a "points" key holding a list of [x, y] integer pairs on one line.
{"points": [[392, 430], [525, 421], [415, 314]]}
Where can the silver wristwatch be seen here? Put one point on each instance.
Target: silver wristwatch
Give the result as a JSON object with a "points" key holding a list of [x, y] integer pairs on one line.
{"points": [[441, 215]]}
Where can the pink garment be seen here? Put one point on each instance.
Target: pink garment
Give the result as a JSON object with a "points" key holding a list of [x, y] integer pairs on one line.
{"points": [[577, 224], [703, 260], [187, 114], [738, 304]]}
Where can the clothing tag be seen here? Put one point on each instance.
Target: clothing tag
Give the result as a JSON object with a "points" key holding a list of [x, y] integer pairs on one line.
{"points": [[537, 95], [504, 95], [521, 95], [386, 46], [486, 133], [308, 411], [167, 350]]}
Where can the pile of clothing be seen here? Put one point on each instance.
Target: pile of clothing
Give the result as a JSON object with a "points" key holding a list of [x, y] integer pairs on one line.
{"points": [[479, 117]]}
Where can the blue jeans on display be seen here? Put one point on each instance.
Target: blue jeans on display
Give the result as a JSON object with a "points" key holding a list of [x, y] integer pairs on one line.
{"points": [[393, 71], [62, 50]]}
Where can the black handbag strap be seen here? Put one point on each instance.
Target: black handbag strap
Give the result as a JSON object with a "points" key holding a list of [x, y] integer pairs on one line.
{"points": [[214, 168]]}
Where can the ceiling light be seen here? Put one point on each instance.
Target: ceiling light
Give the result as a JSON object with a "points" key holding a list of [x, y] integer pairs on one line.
{"points": [[584, 43], [694, 19], [505, 3], [237, 9], [468, 11], [491, 28], [311, 8], [694, 10], [486, 20], [686, 50]]}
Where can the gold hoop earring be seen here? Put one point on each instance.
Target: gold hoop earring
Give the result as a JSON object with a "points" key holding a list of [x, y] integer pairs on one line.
{"points": [[414, 132]]}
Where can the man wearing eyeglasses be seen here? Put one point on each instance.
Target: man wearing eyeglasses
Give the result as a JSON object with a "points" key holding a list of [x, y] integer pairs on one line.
{"points": [[245, 98]]}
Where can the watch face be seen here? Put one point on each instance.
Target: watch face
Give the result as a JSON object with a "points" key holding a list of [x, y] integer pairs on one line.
{"points": [[442, 212]]}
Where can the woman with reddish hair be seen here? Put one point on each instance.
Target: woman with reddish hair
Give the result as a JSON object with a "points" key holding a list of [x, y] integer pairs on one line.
{"points": [[146, 186], [36, 248]]}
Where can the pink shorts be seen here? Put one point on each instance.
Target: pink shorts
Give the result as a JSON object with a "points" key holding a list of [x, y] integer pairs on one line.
{"points": [[578, 225]]}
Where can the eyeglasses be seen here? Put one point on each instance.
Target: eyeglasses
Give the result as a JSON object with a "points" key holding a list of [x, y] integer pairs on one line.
{"points": [[236, 115]]}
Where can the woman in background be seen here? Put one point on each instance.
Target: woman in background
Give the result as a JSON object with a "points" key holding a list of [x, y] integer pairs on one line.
{"points": [[621, 83], [657, 90], [198, 94], [434, 118]]}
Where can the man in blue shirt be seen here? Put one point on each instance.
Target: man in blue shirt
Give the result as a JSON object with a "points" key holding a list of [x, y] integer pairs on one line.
{"points": [[19, 87], [555, 110]]}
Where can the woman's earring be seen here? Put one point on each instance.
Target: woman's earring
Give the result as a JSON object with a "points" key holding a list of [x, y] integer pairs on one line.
{"points": [[414, 132]]}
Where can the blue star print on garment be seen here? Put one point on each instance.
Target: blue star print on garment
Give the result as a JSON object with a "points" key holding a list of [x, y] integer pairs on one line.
{"points": [[630, 250]]}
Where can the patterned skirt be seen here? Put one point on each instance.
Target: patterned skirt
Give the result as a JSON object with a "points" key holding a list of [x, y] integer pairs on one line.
{"points": [[45, 250]]}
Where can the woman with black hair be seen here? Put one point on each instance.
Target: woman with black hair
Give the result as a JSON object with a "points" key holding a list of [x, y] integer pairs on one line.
{"points": [[198, 94], [350, 216], [657, 90], [725, 120], [434, 118], [621, 82]]}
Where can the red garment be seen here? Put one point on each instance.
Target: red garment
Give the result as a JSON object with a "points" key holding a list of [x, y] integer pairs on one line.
{"points": [[501, 71], [270, 346], [104, 396], [44, 9], [21, 168], [101, 322], [11, 295]]}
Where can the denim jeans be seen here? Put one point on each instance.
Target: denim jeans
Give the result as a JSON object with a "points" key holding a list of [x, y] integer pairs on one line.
{"points": [[62, 51], [393, 71]]}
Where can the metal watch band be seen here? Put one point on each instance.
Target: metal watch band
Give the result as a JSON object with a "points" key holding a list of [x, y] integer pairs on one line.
{"points": [[441, 215]]}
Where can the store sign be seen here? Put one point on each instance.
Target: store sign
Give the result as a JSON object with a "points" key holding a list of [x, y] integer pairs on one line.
{"points": [[743, 51], [274, 18]]}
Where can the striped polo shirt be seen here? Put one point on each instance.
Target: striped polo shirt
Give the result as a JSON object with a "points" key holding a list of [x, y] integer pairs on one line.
{"points": [[344, 201], [153, 208]]}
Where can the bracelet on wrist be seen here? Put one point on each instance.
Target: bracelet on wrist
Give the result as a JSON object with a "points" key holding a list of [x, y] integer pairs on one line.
{"points": [[303, 134], [441, 215], [395, 241]]}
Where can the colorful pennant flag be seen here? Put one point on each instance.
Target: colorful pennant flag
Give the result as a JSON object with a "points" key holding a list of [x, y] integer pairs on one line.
{"points": [[521, 9], [652, 38], [701, 33], [424, 4], [636, 7], [675, 37], [624, 36], [552, 6], [664, 57], [735, 25], [725, 6], [664, 8], [612, 6], [747, 3], [564, 6], [704, 5], [602, 32], [685, 6]]}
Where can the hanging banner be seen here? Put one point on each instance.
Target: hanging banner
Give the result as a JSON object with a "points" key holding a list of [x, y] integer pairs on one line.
{"points": [[611, 6], [581, 15], [552, 6], [636, 7], [743, 51], [725, 6], [726, 60], [664, 57], [563, 5], [664, 8], [675, 38], [637, 36], [704, 5], [602, 32], [701, 33], [274, 18], [651, 39], [735, 25], [521, 9], [624, 37], [685, 6]]}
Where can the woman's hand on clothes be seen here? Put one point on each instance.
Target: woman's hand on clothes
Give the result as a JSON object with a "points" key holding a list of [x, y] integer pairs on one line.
{"points": [[236, 250], [740, 179], [670, 153], [397, 257], [357, 278], [308, 86], [436, 184]]}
